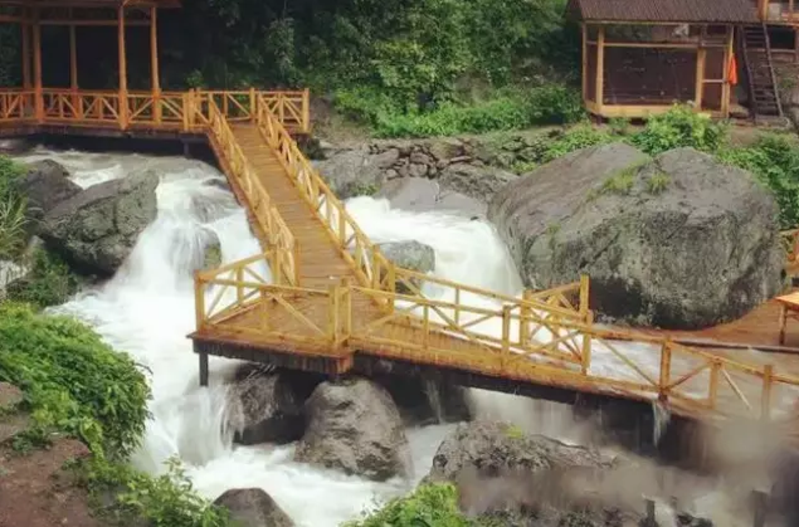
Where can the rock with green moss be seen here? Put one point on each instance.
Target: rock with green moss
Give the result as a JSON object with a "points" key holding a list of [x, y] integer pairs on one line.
{"points": [[677, 241], [97, 229]]}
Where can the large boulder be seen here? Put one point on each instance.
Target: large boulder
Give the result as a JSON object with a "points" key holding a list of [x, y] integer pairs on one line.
{"points": [[679, 241], [426, 400], [477, 182], [410, 255], [45, 184], [355, 427], [519, 479], [97, 229], [271, 405], [419, 194], [356, 172], [253, 508]]}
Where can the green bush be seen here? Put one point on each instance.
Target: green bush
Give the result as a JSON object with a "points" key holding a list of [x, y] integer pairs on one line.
{"points": [[680, 127], [73, 382], [775, 161], [429, 505], [12, 211], [49, 281]]}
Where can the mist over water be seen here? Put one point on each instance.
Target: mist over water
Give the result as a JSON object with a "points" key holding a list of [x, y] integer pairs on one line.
{"points": [[147, 310]]}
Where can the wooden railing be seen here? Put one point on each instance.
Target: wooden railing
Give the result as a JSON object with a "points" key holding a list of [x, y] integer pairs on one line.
{"points": [[790, 243], [509, 342], [244, 176], [183, 111]]}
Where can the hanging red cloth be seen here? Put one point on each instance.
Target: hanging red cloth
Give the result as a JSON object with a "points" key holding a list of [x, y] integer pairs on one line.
{"points": [[732, 72]]}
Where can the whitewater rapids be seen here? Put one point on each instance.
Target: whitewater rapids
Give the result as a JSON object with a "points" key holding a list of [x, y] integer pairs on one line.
{"points": [[147, 310]]}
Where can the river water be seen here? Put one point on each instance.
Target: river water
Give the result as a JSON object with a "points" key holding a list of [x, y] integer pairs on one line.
{"points": [[147, 310]]}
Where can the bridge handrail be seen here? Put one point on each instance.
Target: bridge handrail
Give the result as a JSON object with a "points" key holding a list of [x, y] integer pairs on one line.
{"points": [[183, 111], [260, 204], [373, 269], [567, 358]]}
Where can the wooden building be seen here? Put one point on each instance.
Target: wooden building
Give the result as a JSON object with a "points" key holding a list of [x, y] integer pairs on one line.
{"points": [[642, 56]]}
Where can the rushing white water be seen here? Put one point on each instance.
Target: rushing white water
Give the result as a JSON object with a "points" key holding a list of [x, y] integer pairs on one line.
{"points": [[147, 310]]}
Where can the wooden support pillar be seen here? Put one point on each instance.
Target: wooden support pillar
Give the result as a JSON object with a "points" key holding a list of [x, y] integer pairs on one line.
{"points": [[600, 68], [701, 57], [73, 59], [584, 28], [123, 69], [203, 369], [37, 67], [26, 50], [726, 88], [154, 76]]}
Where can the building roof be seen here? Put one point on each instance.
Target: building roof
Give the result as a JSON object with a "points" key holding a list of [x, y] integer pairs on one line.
{"points": [[678, 11]]}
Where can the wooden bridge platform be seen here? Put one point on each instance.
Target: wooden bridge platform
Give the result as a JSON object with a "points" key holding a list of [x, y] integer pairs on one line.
{"points": [[322, 297]]}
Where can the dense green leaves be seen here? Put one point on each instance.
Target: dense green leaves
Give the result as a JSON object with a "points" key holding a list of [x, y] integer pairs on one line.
{"points": [[72, 381], [12, 211], [49, 281], [429, 505]]}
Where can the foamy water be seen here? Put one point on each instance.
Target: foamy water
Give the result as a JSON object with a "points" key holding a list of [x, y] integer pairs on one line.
{"points": [[147, 310]]}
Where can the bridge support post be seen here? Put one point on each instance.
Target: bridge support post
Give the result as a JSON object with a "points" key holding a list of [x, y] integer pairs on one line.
{"points": [[761, 505], [203, 369]]}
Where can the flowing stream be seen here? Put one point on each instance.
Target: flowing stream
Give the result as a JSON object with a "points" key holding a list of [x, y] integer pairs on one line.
{"points": [[147, 310]]}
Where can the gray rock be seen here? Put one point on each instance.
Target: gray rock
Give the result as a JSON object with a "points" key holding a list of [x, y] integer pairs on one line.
{"points": [[425, 195], [10, 396], [356, 172], [271, 405], [426, 400], [97, 229], [45, 185], [211, 252], [355, 427], [445, 148], [253, 508], [410, 255], [14, 145], [480, 183], [680, 241], [505, 474]]}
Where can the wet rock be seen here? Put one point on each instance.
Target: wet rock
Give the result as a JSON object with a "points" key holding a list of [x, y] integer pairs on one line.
{"points": [[14, 146], [426, 400], [679, 241], [253, 508], [508, 476], [410, 255], [423, 195], [45, 185], [480, 183], [271, 405], [355, 427], [96, 229], [356, 172]]}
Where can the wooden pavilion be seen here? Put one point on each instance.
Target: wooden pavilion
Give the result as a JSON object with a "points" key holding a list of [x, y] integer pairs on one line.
{"points": [[33, 15], [642, 56]]}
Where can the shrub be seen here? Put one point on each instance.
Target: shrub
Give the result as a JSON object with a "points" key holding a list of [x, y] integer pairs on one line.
{"points": [[680, 127], [73, 382], [48, 283], [775, 162], [431, 504], [12, 211]]}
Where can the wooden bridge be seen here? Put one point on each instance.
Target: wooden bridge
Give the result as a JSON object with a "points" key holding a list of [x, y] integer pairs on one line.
{"points": [[322, 296]]}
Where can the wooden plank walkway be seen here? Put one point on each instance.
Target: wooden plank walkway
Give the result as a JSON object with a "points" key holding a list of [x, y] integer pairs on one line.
{"points": [[321, 263]]}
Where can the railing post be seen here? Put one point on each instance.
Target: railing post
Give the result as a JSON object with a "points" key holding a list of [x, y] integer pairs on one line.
{"points": [[333, 316], [186, 109], [347, 306], [505, 334], [524, 319], [306, 110], [239, 287], [585, 289], [665, 371], [426, 326], [253, 105], [765, 398], [296, 253], [199, 301], [585, 363]]}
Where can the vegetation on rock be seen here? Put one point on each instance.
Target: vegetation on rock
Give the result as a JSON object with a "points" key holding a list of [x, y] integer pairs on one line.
{"points": [[12, 211], [77, 385], [430, 504]]}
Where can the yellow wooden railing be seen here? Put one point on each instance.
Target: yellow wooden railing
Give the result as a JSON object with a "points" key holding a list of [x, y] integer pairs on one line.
{"points": [[259, 204], [507, 341], [183, 111]]}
